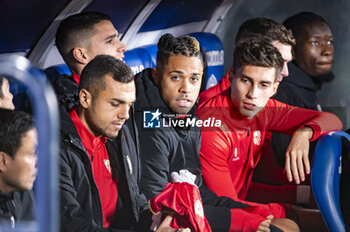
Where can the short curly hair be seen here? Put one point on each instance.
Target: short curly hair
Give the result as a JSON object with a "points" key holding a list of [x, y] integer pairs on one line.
{"points": [[168, 46], [269, 28], [297, 21]]}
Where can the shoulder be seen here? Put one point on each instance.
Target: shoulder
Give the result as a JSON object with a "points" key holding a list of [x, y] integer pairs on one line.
{"points": [[213, 104]]}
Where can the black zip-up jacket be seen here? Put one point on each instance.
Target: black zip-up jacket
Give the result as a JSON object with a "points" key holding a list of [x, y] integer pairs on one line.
{"points": [[16, 207], [165, 150], [81, 208]]}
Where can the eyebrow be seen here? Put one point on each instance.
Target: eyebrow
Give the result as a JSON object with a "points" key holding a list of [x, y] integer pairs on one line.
{"points": [[121, 101], [111, 37], [251, 79], [321, 36], [181, 72]]}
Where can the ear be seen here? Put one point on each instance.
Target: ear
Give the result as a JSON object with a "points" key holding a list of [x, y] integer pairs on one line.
{"points": [[3, 161], [230, 76], [80, 55], [155, 74], [85, 98]]}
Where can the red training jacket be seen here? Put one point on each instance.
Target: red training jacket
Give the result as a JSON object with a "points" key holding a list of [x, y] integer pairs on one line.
{"points": [[230, 153]]}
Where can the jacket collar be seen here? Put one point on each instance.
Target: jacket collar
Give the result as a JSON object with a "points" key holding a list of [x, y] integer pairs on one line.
{"points": [[5, 197], [90, 142]]}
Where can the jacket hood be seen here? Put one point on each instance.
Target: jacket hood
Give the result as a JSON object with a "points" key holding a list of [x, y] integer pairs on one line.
{"points": [[300, 78], [68, 130]]}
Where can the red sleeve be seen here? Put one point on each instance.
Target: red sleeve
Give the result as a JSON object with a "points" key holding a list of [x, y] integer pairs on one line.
{"points": [[242, 220], [286, 119], [249, 219], [214, 153]]}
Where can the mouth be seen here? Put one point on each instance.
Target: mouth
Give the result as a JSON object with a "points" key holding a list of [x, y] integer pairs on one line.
{"points": [[117, 125], [324, 63], [184, 102], [249, 106]]}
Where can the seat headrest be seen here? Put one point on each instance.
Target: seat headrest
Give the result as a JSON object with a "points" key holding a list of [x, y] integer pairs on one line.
{"points": [[213, 54], [55, 71], [141, 58]]}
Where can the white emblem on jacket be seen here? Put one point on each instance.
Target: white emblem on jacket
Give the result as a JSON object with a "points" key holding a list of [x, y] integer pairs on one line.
{"points": [[257, 137]]}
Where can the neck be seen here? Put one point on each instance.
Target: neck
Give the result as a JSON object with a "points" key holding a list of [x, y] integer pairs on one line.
{"points": [[4, 188], [82, 115]]}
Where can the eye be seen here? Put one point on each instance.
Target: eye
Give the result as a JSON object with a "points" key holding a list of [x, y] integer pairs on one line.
{"points": [[175, 78], [330, 42], [110, 41], [194, 79], [315, 43], [244, 80], [264, 85], [114, 104]]}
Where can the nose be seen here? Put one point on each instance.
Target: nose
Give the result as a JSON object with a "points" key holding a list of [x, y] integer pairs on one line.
{"points": [[327, 49], [284, 71], [253, 92], [124, 112], [121, 48], [185, 86]]}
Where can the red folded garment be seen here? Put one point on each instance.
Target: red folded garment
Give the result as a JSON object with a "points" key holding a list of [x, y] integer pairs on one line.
{"points": [[185, 200]]}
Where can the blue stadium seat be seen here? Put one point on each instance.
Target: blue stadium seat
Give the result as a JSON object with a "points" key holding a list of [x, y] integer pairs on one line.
{"points": [[325, 178], [57, 70], [141, 58], [213, 54], [135, 62], [152, 52]]}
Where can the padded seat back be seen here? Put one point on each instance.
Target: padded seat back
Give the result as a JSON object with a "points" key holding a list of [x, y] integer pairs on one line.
{"points": [[55, 71], [213, 53], [325, 178], [141, 58]]}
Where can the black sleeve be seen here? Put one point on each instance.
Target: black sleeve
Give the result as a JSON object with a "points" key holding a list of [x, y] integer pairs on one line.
{"points": [[155, 164], [279, 141], [72, 213]]}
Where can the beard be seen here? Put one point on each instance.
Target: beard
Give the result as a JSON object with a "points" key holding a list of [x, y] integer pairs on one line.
{"points": [[324, 78]]}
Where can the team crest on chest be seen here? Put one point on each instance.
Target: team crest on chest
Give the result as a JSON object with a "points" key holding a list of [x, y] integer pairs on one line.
{"points": [[235, 155], [257, 137]]}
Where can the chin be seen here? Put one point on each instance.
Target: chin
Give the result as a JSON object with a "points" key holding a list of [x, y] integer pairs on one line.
{"points": [[112, 135], [248, 114], [183, 111], [26, 187]]}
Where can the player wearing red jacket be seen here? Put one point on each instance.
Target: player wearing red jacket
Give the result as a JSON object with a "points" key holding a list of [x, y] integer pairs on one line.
{"points": [[230, 153]]}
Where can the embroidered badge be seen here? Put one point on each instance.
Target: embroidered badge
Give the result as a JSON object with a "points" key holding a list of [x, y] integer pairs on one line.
{"points": [[257, 137], [198, 209], [235, 155]]}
